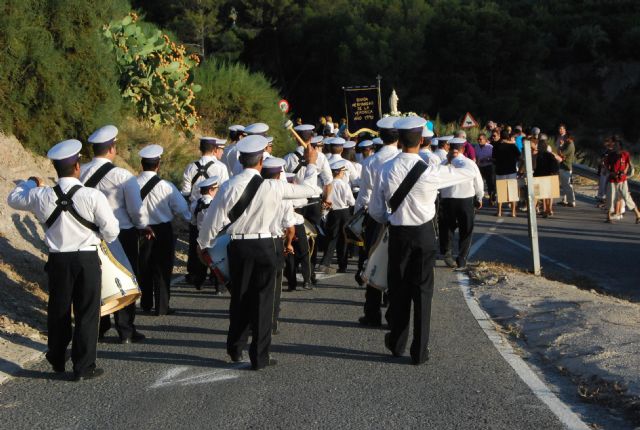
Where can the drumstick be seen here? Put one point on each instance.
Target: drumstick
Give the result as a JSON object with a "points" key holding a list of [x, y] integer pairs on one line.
{"points": [[289, 126]]}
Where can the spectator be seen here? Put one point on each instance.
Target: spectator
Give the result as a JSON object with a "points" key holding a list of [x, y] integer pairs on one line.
{"points": [[484, 158], [603, 172], [535, 132], [505, 157], [519, 136], [545, 165], [467, 150], [566, 156], [619, 164], [328, 127]]}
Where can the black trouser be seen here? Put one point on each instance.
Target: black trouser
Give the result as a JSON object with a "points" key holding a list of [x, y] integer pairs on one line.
{"points": [[198, 270], [412, 252], [279, 245], [460, 214], [253, 266], [74, 279], [300, 256], [336, 220], [313, 212], [489, 176], [156, 268], [125, 317], [192, 255], [372, 296]]}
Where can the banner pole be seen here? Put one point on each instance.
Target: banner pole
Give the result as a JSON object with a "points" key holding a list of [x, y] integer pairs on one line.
{"points": [[379, 78]]}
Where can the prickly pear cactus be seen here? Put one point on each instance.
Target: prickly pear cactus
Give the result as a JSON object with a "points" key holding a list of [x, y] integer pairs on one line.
{"points": [[154, 73]]}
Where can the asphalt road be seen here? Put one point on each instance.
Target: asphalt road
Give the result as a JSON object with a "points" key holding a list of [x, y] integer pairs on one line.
{"points": [[576, 245], [332, 373]]}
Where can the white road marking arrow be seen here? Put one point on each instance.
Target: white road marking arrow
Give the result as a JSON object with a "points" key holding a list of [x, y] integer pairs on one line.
{"points": [[174, 376]]}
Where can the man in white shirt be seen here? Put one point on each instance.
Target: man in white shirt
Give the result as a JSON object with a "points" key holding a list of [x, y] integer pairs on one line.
{"points": [[412, 237], [252, 260], [76, 219], [443, 147], [208, 189], [458, 204], [300, 243], [207, 166], [230, 154], [123, 194], [162, 201], [341, 202], [336, 147], [425, 149], [370, 178]]}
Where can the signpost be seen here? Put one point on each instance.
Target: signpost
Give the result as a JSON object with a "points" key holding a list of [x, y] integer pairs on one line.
{"points": [[284, 106], [531, 210], [469, 121]]}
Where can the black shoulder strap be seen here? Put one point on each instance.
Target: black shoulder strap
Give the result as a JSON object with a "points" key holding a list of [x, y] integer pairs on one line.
{"points": [[65, 204], [202, 171], [245, 199], [200, 206], [146, 189], [405, 186], [301, 162], [98, 175]]}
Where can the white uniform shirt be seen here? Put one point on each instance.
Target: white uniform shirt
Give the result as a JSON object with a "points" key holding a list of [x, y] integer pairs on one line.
{"points": [[67, 234], [122, 192], [259, 215], [341, 197], [229, 157], [324, 171], [441, 154], [472, 187], [238, 168], [189, 188], [285, 218], [429, 157], [164, 201], [196, 219], [371, 173], [418, 206], [352, 175]]}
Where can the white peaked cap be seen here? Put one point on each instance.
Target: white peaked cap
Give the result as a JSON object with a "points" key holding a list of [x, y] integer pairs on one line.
{"points": [[209, 182], [257, 128], [103, 134], [252, 144], [151, 151], [410, 122], [65, 149]]}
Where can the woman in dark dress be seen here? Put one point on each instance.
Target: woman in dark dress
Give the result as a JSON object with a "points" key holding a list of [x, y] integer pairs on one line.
{"points": [[546, 164], [505, 157]]}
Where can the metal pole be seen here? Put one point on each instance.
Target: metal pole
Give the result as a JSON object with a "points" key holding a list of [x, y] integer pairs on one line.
{"points": [[379, 78], [531, 210]]}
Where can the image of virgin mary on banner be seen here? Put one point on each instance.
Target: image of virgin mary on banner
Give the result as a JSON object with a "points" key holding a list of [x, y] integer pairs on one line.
{"points": [[362, 105]]}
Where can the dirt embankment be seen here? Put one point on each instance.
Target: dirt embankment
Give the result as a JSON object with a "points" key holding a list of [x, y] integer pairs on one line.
{"points": [[23, 295], [590, 337]]}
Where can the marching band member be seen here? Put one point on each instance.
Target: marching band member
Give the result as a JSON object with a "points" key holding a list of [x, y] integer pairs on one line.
{"points": [[76, 218], [370, 178], [295, 163], [458, 204], [443, 147], [300, 243], [425, 149], [162, 201], [266, 154], [207, 166], [341, 201], [123, 194], [248, 204], [208, 190], [230, 154], [412, 238]]}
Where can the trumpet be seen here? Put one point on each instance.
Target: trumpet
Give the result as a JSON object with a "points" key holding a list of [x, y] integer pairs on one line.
{"points": [[289, 126]]}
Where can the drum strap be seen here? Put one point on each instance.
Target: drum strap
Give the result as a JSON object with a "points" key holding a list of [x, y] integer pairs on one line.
{"points": [[98, 175], [406, 185], [245, 199], [65, 204], [301, 162], [200, 206], [202, 171], [146, 189]]}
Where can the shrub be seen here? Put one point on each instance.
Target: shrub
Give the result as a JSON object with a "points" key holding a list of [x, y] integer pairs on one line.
{"points": [[155, 73], [231, 94], [57, 79]]}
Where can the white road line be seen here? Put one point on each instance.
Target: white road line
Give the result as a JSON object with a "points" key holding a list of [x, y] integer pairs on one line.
{"points": [[172, 376], [526, 248], [566, 416], [476, 246]]}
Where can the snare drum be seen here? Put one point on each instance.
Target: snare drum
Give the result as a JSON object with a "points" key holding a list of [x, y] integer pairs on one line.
{"points": [[377, 265], [119, 284], [220, 257]]}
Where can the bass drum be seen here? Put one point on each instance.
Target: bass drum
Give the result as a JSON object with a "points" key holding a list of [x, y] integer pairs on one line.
{"points": [[219, 256], [119, 284], [355, 227], [377, 265]]}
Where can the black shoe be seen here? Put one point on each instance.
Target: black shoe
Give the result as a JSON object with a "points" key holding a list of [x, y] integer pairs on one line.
{"points": [[387, 344], [272, 362], [101, 338], [169, 312], [90, 374], [147, 311], [199, 287], [137, 337], [417, 361], [57, 367], [237, 358], [342, 271], [125, 340], [359, 279], [449, 261], [188, 278], [369, 323], [291, 289]]}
